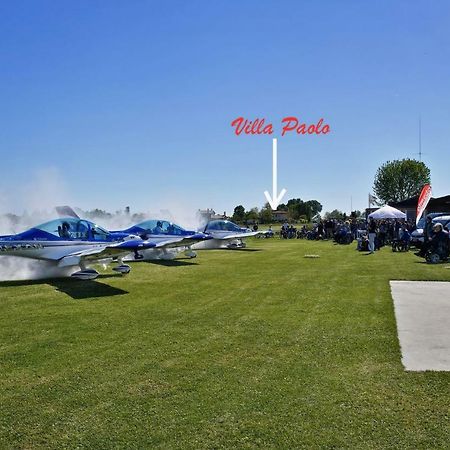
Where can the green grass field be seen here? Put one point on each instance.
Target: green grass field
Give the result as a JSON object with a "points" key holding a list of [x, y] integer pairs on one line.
{"points": [[260, 348]]}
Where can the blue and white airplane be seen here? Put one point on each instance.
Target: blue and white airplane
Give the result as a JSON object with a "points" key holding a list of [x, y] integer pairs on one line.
{"points": [[225, 234], [73, 242], [170, 239]]}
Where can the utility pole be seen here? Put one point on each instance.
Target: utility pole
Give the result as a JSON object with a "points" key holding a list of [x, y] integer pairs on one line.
{"points": [[420, 138]]}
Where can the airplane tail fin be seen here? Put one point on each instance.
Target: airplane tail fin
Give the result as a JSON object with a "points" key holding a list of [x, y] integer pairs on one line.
{"points": [[66, 211]]}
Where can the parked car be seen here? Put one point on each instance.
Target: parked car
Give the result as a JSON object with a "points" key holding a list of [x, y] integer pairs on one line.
{"points": [[417, 234], [444, 220]]}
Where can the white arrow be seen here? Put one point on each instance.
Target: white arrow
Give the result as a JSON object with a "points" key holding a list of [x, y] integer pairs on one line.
{"points": [[275, 200]]}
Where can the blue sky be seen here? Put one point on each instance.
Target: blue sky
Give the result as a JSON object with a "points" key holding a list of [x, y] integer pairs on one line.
{"points": [[130, 103]]}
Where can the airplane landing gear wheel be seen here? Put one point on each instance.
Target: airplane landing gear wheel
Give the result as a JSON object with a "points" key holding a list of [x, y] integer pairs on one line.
{"points": [[433, 258], [85, 274], [123, 269], [190, 254]]}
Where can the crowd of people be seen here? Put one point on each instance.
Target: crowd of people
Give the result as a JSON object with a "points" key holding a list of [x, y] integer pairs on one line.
{"points": [[339, 230], [371, 235], [386, 232], [397, 233]]}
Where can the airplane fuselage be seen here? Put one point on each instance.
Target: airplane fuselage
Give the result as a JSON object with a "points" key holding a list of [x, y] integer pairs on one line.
{"points": [[45, 250]]}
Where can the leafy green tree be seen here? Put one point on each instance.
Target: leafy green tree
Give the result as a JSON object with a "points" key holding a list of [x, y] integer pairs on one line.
{"points": [[97, 214], [239, 214], [12, 218], [335, 214], [298, 208], [265, 215], [294, 207], [400, 179], [305, 210], [252, 215], [138, 217], [314, 206]]}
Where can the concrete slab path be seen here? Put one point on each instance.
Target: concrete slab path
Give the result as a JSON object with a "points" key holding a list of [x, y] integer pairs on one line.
{"points": [[422, 310]]}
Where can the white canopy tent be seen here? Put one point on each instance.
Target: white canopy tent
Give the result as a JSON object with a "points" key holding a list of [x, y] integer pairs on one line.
{"points": [[387, 212]]}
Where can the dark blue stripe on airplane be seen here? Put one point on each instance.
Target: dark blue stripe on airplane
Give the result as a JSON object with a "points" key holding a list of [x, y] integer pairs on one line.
{"points": [[135, 245]]}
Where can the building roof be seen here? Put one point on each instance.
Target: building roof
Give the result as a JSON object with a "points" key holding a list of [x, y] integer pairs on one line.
{"points": [[408, 203], [438, 203]]}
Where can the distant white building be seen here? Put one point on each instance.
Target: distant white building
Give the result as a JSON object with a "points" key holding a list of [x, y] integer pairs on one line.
{"points": [[280, 216]]}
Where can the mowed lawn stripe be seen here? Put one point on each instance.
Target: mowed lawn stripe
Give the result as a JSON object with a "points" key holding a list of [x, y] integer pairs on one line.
{"points": [[259, 348]]}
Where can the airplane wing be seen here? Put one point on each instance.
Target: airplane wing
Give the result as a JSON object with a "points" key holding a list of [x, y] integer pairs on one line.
{"points": [[182, 241], [240, 235], [105, 251]]}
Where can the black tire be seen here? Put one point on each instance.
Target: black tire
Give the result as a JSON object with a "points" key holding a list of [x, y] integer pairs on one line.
{"points": [[433, 258]]}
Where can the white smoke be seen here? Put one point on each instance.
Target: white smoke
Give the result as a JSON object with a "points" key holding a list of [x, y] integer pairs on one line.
{"points": [[178, 209], [36, 199], [46, 190], [35, 202], [32, 203], [14, 268], [114, 221], [172, 210], [180, 212]]}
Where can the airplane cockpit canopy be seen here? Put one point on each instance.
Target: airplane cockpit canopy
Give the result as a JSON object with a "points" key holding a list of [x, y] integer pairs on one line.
{"points": [[71, 228], [161, 227], [222, 225]]}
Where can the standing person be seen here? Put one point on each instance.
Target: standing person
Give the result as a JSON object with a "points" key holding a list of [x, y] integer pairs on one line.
{"points": [[428, 233], [405, 238], [397, 228], [428, 229], [382, 233], [284, 228], [320, 230], [372, 229], [329, 229], [354, 228]]}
